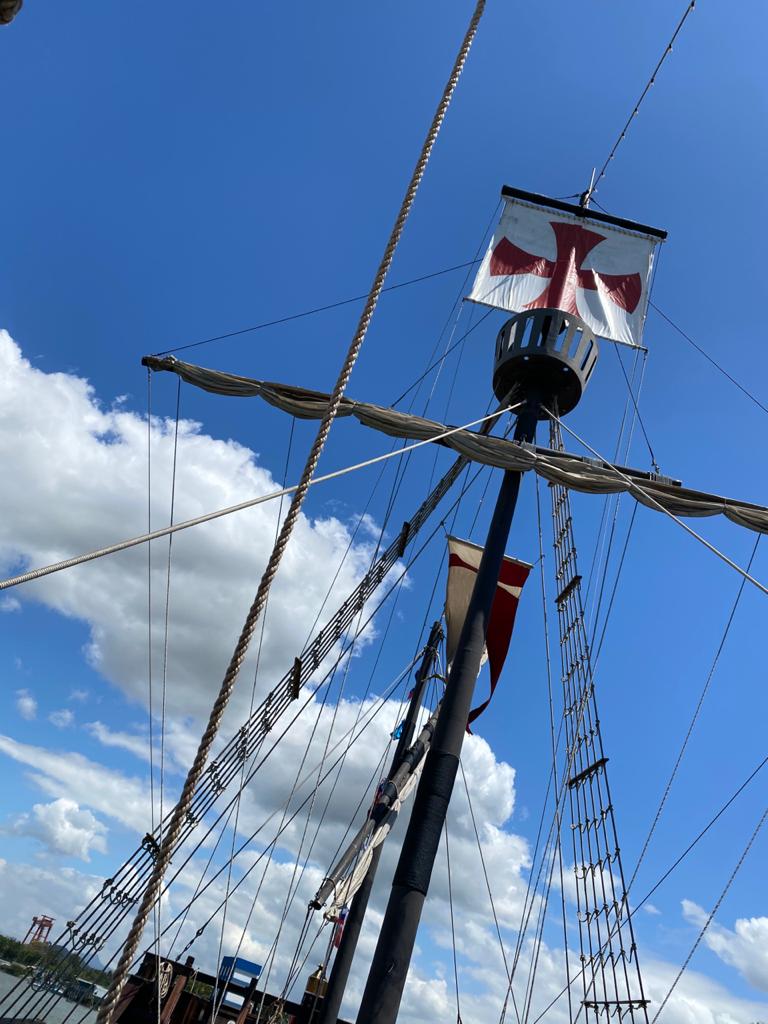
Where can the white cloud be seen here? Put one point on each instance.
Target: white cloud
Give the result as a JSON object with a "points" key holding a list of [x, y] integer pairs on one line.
{"points": [[64, 443], [63, 827], [697, 999], [88, 783], [31, 889], [26, 704], [134, 743], [10, 604], [651, 909], [61, 718], [56, 439], [745, 947]]}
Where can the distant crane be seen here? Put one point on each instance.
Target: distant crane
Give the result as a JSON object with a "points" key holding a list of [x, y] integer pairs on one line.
{"points": [[41, 926]]}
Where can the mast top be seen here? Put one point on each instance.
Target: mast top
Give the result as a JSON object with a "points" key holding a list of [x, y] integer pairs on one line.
{"points": [[544, 352], [583, 212]]}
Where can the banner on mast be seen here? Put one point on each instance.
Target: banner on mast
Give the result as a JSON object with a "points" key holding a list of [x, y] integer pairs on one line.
{"points": [[546, 253], [463, 563]]}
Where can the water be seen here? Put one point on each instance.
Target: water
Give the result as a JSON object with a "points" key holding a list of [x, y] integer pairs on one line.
{"points": [[55, 1014]]}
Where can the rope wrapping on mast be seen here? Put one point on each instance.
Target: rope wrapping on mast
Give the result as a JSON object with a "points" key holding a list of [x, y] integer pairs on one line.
{"points": [[152, 891]]}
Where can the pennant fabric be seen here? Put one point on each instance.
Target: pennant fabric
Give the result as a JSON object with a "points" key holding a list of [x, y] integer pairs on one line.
{"points": [[543, 256], [463, 563], [339, 929]]}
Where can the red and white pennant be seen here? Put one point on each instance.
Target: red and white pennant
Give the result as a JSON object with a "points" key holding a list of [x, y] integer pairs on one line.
{"points": [[463, 563]]}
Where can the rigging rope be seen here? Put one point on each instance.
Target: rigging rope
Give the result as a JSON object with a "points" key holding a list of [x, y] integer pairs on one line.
{"points": [[694, 842], [165, 656], [150, 689], [238, 796], [694, 719], [453, 926], [635, 486], [317, 309], [34, 574], [712, 913], [208, 793], [554, 739], [709, 358], [600, 539], [654, 463], [623, 133], [107, 1006], [598, 593]]}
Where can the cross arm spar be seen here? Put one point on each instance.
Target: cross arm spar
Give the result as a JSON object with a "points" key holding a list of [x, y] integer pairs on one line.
{"points": [[590, 476]]}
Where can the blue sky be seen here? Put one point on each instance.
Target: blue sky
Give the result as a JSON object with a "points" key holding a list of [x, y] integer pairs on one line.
{"points": [[173, 177]]}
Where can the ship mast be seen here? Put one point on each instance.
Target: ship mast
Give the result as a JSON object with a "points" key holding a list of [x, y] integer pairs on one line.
{"points": [[342, 963], [544, 359]]}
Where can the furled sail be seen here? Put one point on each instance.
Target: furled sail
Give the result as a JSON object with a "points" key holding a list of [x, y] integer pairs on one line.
{"points": [[590, 476]]}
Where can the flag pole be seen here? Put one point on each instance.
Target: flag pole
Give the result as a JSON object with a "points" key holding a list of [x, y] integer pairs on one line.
{"points": [[337, 981], [386, 979]]}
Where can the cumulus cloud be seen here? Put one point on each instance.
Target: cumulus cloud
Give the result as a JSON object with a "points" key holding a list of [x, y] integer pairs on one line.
{"points": [[9, 604], [134, 743], [56, 439], [63, 827], [744, 947], [34, 889], [74, 777], [61, 718], [26, 704]]}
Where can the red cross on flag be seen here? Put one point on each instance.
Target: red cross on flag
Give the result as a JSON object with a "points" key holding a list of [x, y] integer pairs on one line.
{"points": [[463, 563], [568, 258]]}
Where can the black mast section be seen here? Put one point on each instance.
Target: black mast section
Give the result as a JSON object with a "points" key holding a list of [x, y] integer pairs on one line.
{"points": [[384, 988], [543, 360], [342, 964]]}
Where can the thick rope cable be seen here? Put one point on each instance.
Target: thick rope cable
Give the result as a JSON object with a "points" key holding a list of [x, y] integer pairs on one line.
{"points": [[377, 708], [47, 570], [241, 786], [712, 913], [468, 483], [635, 488], [107, 1006]]}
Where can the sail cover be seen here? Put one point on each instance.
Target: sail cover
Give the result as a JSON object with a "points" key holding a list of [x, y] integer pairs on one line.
{"points": [[463, 563], [548, 254], [591, 476]]}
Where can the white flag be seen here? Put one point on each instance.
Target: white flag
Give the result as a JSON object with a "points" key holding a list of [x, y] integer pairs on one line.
{"points": [[544, 256]]}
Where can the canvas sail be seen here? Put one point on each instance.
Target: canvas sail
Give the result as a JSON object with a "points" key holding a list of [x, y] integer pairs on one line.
{"points": [[562, 257]]}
